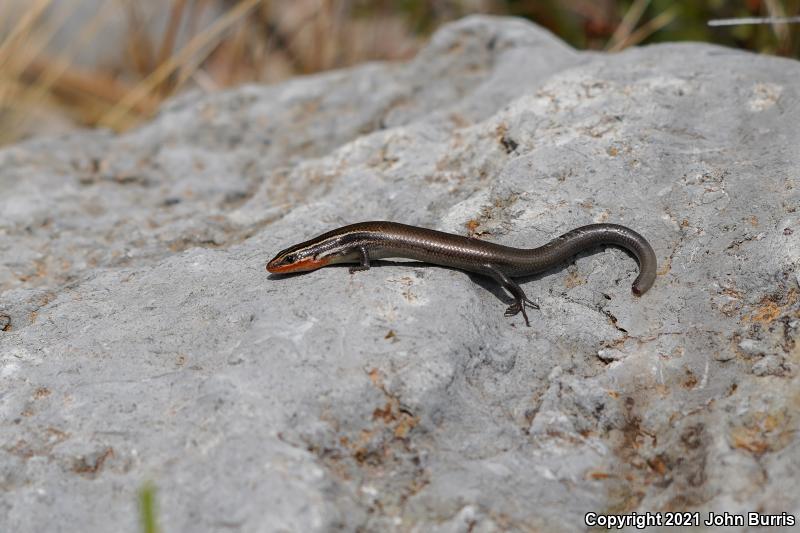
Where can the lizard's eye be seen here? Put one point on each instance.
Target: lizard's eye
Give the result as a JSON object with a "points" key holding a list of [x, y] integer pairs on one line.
{"points": [[289, 259]]}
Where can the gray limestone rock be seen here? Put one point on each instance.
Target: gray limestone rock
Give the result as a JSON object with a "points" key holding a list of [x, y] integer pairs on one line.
{"points": [[142, 339]]}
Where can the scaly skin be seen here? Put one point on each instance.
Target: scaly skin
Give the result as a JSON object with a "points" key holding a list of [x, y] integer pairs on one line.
{"points": [[359, 243]]}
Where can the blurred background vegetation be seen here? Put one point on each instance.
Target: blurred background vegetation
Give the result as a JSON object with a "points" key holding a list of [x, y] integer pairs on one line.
{"points": [[110, 63]]}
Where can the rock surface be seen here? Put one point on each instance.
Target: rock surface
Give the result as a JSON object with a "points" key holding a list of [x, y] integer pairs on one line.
{"points": [[143, 340]]}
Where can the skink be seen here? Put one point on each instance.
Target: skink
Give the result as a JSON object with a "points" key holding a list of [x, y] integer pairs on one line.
{"points": [[362, 242]]}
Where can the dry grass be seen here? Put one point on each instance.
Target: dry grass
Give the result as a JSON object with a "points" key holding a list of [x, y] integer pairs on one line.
{"points": [[210, 44], [138, 59]]}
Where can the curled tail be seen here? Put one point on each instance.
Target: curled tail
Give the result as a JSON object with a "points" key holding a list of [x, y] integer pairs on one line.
{"points": [[585, 237]]}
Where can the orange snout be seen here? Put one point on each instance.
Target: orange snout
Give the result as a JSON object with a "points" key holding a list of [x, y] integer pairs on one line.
{"points": [[304, 265]]}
